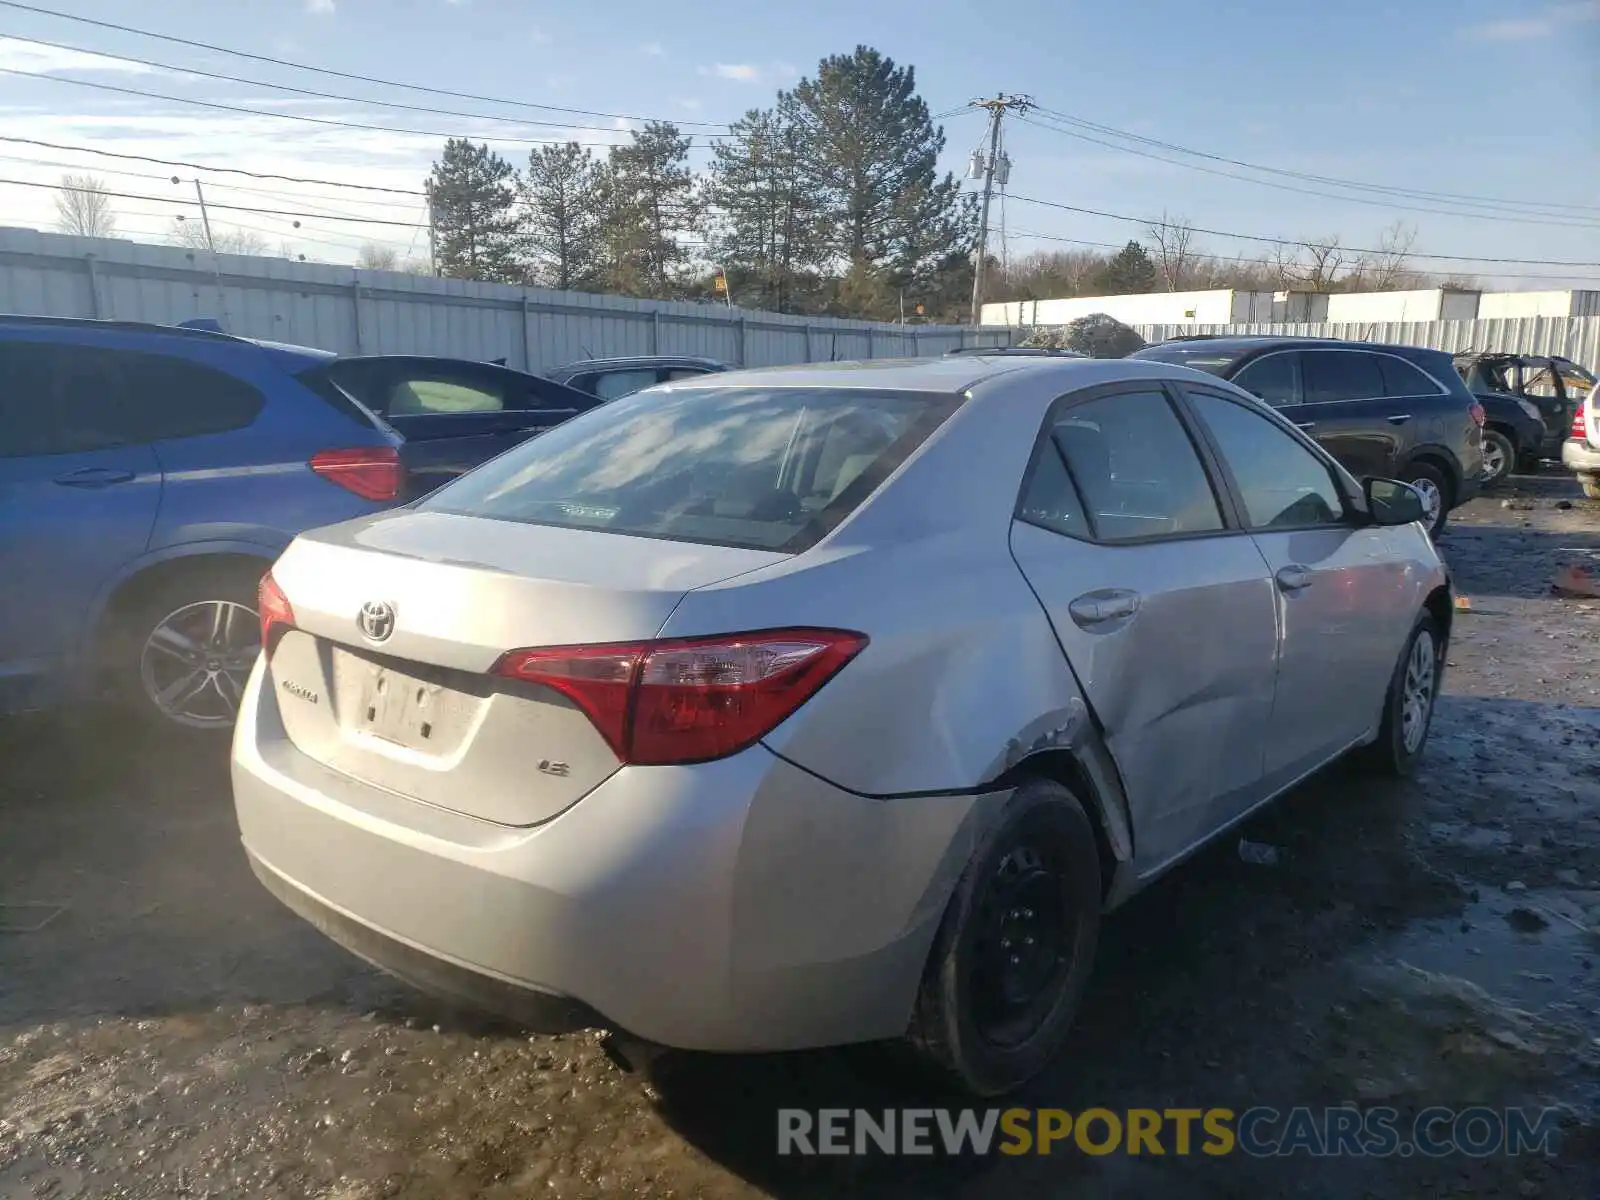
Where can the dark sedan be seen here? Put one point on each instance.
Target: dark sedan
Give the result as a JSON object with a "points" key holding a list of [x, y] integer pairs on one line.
{"points": [[1390, 412], [453, 413]]}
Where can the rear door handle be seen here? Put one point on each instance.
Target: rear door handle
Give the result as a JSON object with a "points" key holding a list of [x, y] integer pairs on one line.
{"points": [[1398, 418], [94, 477], [1305, 426], [1103, 607], [1295, 578]]}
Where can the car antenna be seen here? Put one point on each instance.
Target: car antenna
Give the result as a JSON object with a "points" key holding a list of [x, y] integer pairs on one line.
{"points": [[587, 353]]}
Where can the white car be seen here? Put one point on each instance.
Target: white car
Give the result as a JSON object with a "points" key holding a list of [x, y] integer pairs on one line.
{"points": [[1580, 453], [787, 708]]}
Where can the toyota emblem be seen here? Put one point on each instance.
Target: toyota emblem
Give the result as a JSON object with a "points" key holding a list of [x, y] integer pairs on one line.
{"points": [[376, 620]]}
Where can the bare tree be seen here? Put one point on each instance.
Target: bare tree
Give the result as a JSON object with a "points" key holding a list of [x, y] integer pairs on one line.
{"points": [[373, 257], [192, 234], [83, 207], [1325, 260], [1174, 255], [1387, 268]]}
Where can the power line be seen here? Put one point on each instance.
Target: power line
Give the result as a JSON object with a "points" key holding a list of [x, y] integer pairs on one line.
{"points": [[272, 212], [1482, 201], [1448, 212], [328, 71], [1053, 237], [1256, 237], [194, 166], [284, 116], [299, 91]]}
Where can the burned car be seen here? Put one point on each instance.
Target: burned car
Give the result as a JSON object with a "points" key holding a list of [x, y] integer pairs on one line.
{"points": [[1528, 399]]}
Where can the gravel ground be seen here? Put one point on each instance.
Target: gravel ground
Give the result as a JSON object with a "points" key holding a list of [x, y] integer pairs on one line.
{"points": [[169, 1031]]}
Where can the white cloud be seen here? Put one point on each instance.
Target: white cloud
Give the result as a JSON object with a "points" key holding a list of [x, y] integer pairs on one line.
{"points": [[1542, 24], [319, 8], [654, 49], [690, 104], [48, 60], [456, 3], [538, 37], [738, 72]]}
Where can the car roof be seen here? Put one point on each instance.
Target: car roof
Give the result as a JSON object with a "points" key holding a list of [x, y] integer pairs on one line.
{"points": [[1244, 343], [953, 374]]}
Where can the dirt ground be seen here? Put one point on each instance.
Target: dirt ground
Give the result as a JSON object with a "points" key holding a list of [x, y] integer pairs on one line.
{"points": [[167, 1030]]}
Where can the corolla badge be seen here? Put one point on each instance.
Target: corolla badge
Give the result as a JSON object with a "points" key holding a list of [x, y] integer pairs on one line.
{"points": [[376, 620]]}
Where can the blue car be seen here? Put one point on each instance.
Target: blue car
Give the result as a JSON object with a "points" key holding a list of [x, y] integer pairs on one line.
{"points": [[149, 475]]}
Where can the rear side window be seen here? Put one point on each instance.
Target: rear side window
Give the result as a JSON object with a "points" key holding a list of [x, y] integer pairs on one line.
{"points": [[671, 373], [60, 398], [1135, 468], [1272, 378], [764, 468], [429, 397], [1333, 375], [1400, 378], [176, 398]]}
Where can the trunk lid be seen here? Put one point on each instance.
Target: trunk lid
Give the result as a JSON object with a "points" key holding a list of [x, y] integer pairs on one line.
{"points": [[405, 701]]}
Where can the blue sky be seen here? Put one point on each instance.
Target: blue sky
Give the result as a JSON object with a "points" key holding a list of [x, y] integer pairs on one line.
{"points": [[1476, 98]]}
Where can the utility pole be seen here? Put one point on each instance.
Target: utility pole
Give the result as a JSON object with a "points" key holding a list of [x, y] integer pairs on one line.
{"points": [[998, 107], [433, 236], [211, 245]]}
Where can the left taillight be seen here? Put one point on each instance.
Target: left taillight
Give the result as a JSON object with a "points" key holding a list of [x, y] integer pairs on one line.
{"points": [[1479, 416], [273, 607], [690, 700], [371, 472]]}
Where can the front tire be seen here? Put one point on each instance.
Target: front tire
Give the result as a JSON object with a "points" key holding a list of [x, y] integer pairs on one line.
{"points": [[1013, 955], [1408, 705], [1436, 493], [183, 648]]}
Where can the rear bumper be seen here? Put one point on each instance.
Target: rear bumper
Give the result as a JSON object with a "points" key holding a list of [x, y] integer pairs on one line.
{"points": [[739, 905], [1580, 457]]}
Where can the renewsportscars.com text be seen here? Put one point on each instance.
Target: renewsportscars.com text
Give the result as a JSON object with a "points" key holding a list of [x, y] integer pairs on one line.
{"points": [[1259, 1132]]}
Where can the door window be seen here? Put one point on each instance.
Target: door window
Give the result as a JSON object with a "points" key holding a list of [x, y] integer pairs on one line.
{"points": [[609, 385], [1333, 375], [1273, 378], [671, 373], [60, 398], [1283, 484], [1539, 382], [1401, 378], [1135, 469]]}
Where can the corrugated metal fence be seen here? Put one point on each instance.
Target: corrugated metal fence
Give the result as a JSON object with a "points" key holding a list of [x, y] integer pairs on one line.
{"points": [[1577, 338], [352, 311]]}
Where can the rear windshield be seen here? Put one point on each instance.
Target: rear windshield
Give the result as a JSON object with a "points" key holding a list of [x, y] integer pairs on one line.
{"points": [[1200, 357], [762, 468]]}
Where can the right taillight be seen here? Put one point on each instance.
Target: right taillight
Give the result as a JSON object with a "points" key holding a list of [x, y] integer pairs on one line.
{"points": [[689, 700], [273, 608], [371, 472], [1578, 430]]}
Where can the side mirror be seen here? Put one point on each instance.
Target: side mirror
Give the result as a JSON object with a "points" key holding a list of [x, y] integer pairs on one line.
{"points": [[1391, 502]]}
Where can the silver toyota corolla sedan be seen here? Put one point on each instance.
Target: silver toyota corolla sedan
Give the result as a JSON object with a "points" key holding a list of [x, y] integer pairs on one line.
{"points": [[825, 704]]}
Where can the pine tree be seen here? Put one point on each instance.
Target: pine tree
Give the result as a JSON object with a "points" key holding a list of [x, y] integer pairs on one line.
{"points": [[769, 234], [472, 191], [875, 150], [649, 199], [561, 199], [1130, 271]]}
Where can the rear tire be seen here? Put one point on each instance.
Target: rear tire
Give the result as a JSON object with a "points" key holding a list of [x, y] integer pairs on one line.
{"points": [[1435, 489], [1014, 952], [1409, 703], [1499, 457], [1590, 485], [181, 650]]}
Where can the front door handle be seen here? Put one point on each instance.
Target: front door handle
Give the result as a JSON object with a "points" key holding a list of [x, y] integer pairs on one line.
{"points": [[1305, 426], [1295, 578], [94, 477], [1398, 418], [1104, 607]]}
